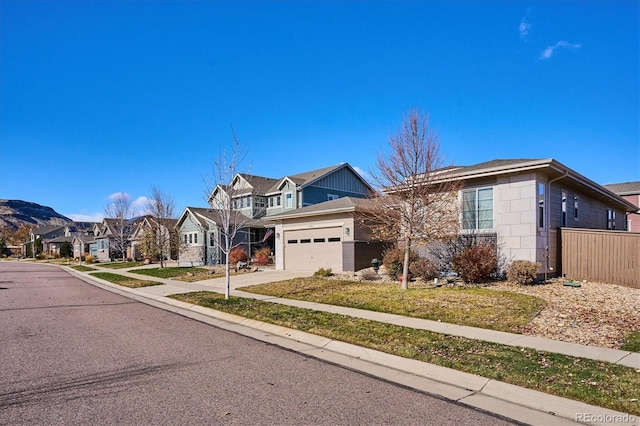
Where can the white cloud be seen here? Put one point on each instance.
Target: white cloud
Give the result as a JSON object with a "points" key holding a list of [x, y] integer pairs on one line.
{"points": [[139, 205], [82, 217], [524, 28], [117, 195], [549, 51]]}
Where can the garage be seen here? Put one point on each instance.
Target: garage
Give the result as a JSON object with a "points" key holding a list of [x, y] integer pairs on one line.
{"points": [[312, 249]]}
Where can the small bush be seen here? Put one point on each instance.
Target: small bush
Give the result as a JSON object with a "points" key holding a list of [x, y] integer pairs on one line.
{"points": [[523, 271], [425, 269], [89, 259], [323, 272], [476, 263], [369, 275], [236, 255], [261, 255], [393, 261]]}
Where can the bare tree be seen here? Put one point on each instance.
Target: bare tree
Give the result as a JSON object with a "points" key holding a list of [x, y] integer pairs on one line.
{"points": [[414, 203], [221, 195], [161, 211], [118, 214]]}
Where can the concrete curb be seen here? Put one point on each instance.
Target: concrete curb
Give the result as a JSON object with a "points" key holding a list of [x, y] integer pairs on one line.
{"points": [[517, 403]]}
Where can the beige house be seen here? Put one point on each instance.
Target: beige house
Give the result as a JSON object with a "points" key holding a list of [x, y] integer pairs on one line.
{"points": [[324, 235]]}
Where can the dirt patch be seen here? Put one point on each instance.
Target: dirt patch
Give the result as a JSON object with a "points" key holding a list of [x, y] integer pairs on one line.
{"points": [[593, 314]]}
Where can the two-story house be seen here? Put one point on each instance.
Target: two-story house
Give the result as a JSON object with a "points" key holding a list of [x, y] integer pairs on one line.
{"points": [[258, 198], [44, 234]]}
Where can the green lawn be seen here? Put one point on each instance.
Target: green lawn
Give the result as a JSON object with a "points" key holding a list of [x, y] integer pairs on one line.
{"points": [[593, 382], [123, 281], [633, 342], [121, 265], [83, 268], [476, 307], [183, 274]]}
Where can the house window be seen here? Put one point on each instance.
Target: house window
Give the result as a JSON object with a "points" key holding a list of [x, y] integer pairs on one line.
{"points": [[271, 201], [195, 238], [292, 241], [212, 239], [278, 200], [333, 239], [575, 207], [185, 238], [332, 197], [318, 240], [288, 200], [190, 238], [477, 208], [305, 241], [611, 219], [541, 205], [564, 208]]}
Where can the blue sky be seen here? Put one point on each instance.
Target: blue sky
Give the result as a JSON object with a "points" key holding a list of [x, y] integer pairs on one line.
{"points": [[101, 97]]}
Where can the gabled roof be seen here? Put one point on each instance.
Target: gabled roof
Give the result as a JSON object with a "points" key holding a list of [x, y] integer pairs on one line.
{"points": [[304, 179], [264, 185], [207, 215], [86, 239], [340, 205], [260, 184], [144, 223], [111, 224], [62, 239], [626, 188], [81, 226], [46, 230]]}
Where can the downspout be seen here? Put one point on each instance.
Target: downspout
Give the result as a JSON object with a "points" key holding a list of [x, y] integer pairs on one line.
{"points": [[547, 251]]}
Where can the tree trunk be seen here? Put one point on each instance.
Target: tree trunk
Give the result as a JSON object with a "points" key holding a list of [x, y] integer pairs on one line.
{"points": [[405, 265]]}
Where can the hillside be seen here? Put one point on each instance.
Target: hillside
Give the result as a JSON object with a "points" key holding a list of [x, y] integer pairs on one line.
{"points": [[13, 213]]}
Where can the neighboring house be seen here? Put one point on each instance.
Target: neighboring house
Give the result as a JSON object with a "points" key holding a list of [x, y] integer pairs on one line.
{"points": [[104, 247], [56, 243], [630, 191], [80, 234], [200, 238], [46, 233], [82, 245], [324, 235], [259, 198], [145, 227], [522, 203]]}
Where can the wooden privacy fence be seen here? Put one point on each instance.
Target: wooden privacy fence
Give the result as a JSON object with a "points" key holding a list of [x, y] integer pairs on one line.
{"points": [[603, 256]]}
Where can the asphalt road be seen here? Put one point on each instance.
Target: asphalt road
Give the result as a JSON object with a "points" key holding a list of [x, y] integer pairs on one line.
{"points": [[72, 353]]}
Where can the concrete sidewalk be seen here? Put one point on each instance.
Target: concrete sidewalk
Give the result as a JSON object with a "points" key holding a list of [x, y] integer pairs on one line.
{"points": [[518, 403]]}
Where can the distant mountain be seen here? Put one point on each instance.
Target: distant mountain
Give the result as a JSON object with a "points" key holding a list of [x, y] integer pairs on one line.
{"points": [[13, 213]]}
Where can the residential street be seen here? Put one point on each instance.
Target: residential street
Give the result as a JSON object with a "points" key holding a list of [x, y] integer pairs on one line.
{"points": [[76, 354]]}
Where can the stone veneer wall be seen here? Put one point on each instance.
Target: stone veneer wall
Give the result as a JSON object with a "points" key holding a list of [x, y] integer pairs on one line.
{"points": [[515, 206]]}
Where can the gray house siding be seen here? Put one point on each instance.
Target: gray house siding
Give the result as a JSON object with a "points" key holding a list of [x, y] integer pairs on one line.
{"points": [[315, 194], [192, 253], [592, 213], [343, 180]]}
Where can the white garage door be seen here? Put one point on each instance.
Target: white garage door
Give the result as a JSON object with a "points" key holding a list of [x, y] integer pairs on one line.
{"points": [[312, 249]]}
